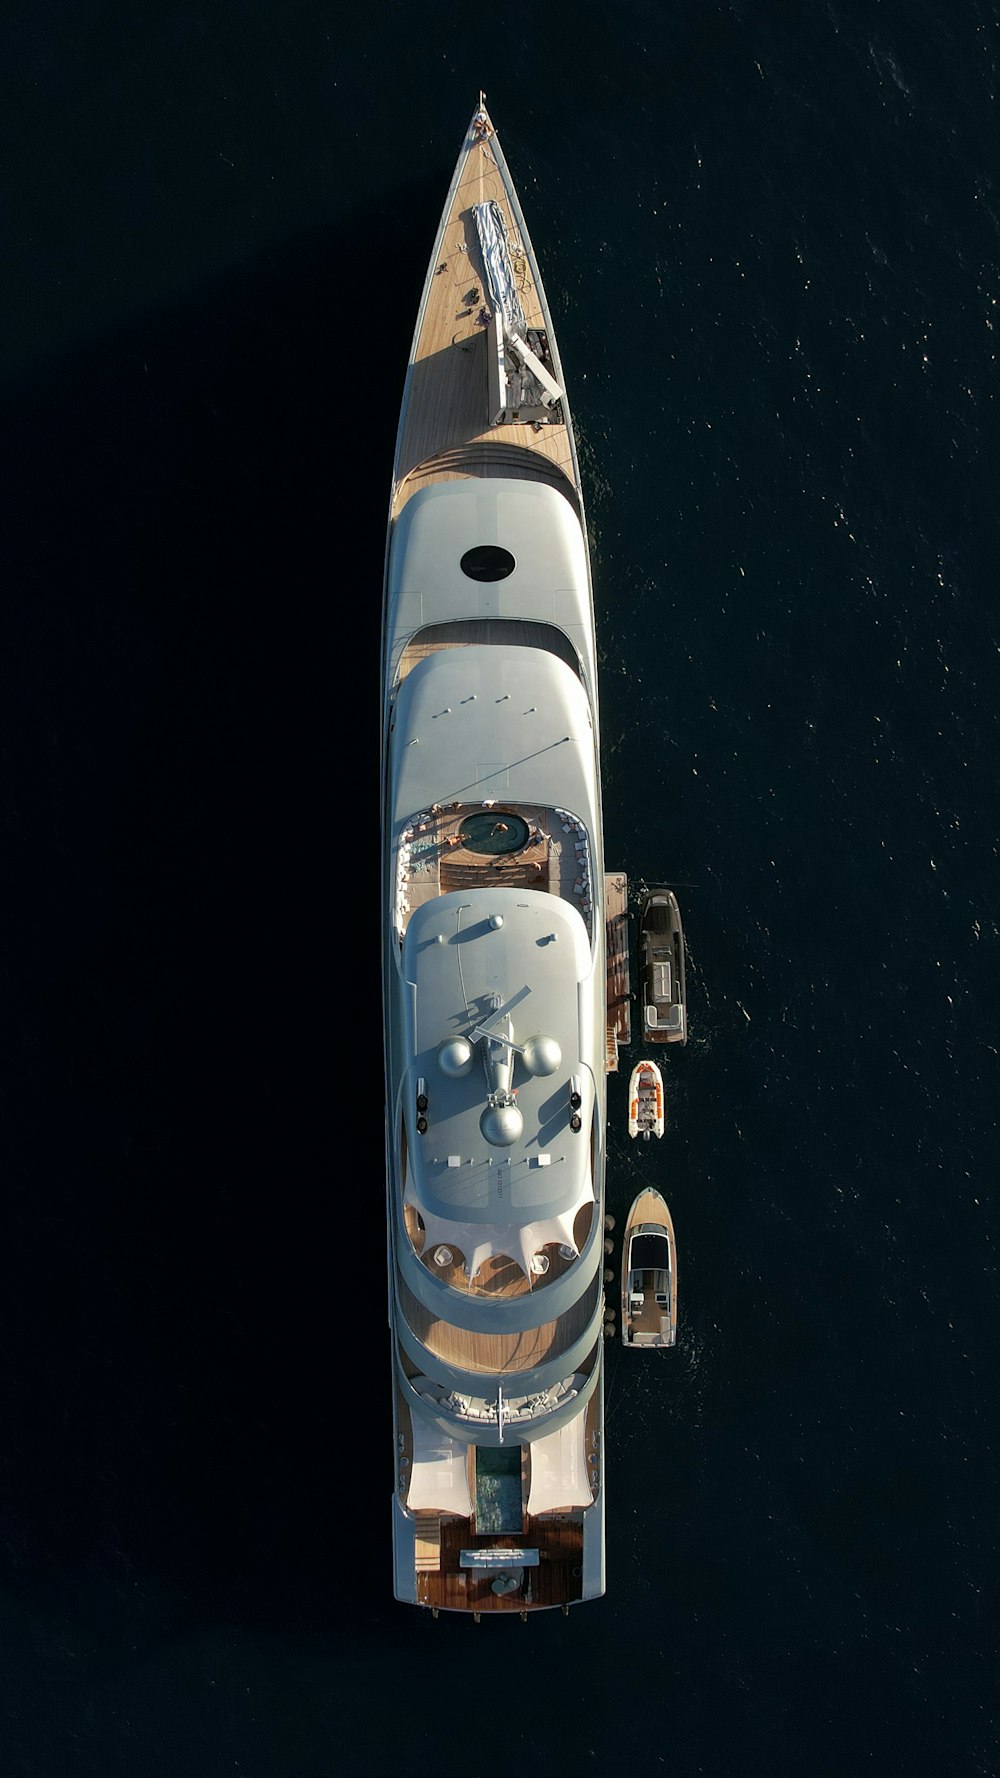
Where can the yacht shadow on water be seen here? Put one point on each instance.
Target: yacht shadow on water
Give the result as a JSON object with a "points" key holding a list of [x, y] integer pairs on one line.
{"points": [[197, 1272]]}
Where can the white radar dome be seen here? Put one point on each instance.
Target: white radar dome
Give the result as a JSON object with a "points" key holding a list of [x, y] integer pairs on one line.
{"points": [[541, 1055], [455, 1057], [501, 1125]]}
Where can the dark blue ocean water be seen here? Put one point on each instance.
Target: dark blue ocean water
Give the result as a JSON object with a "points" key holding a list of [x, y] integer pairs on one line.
{"points": [[770, 235]]}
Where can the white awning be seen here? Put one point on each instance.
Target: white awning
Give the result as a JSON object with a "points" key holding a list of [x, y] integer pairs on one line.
{"points": [[439, 1478], [479, 1242], [559, 1469]]}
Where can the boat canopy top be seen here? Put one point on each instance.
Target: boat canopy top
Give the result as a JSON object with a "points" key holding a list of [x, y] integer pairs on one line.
{"points": [[439, 1478], [559, 1469]]}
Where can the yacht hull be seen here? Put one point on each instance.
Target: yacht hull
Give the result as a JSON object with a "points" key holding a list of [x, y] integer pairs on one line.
{"points": [[494, 988]]}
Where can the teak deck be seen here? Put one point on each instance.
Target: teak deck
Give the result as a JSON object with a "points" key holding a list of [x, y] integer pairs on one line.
{"points": [[445, 431]]}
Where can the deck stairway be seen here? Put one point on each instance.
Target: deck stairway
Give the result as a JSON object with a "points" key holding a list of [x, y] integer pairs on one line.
{"points": [[514, 873], [619, 999], [484, 459]]}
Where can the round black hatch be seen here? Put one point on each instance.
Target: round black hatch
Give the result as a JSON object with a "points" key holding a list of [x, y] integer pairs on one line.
{"points": [[487, 562]]}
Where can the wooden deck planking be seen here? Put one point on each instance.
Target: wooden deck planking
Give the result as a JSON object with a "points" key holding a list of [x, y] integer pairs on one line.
{"points": [[648, 1207], [556, 1580], [475, 632], [446, 405], [546, 862], [497, 1354]]}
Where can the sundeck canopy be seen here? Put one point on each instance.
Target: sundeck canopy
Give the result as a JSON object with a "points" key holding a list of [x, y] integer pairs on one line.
{"points": [[559, 1469], [439, 1478]]}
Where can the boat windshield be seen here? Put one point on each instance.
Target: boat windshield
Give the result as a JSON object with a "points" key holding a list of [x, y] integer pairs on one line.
{"points": [[650, 1253]]}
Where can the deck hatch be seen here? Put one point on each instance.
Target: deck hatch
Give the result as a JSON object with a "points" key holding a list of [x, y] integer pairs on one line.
{"points": [[487, 561]]}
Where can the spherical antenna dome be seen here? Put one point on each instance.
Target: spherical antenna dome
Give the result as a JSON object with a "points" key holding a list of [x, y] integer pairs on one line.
{"points": [[455, 1057], [541, 1055], [501, 1125]]}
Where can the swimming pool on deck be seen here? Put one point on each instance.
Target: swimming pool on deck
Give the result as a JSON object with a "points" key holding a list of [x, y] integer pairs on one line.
{"points": [[498, 1489]]}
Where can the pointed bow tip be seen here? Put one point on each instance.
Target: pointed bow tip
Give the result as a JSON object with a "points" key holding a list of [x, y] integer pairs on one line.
{"points": [[482, 123]]}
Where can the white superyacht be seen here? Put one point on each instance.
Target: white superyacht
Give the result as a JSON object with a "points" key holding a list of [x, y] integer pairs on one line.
{"points": [[498, 1036]]}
